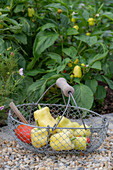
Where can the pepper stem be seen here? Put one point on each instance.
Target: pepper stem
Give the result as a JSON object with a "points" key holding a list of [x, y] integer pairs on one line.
{"points": [[39, 107], [73, 138]]}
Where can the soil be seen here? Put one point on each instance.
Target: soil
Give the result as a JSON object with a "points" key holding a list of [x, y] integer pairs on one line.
{"points": [[107, 105]]}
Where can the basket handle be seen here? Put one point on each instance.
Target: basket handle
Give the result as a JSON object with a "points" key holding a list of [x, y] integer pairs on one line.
{"points": [[68, 91], [64, 86], [17, 112]]}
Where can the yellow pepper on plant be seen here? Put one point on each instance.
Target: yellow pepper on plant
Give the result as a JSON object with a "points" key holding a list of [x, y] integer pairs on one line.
{"points": [[31, 12], [77, 71], [70, 65], [76, 27], [83, 64], [73, 20], [76, 61], [88, 33], [91, 21], [59, 11]]}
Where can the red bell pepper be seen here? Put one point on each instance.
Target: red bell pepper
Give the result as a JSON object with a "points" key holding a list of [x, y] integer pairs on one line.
{"points": [[23, 132]]}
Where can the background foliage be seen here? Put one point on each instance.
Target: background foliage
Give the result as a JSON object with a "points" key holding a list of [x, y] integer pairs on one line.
{"points": [[42, 36]]}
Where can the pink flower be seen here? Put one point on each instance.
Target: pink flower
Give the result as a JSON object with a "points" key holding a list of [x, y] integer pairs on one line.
{"points": [[21, 72], [2, 107]]}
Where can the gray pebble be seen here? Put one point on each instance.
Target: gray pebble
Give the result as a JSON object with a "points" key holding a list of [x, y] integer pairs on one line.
{"points": [[80, 168]]}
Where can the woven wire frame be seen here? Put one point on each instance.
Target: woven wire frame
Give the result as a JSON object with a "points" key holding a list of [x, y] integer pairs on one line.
{"points": [[44, 139]]}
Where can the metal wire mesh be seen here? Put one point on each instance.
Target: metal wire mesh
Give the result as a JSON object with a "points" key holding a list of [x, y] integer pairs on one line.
{"points": [[53, 140]]}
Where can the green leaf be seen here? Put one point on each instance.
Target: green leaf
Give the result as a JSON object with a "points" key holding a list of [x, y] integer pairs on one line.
{"points": [[35, 86], [111, 46], [35, 72], [19, 8], [97, 65], [48, 25], [109, 82], [100, 93], [92, 84], [1, 45], [85, 15], [72, 31], [21, 38], [55, 5], [71, 52], [60, 68], [97, 57], [83, 38], [64, 20], [42, 42], [89, 40], [55, 57], [108, 15], [25, 25], [63, 65], [92, 41], [83, 95]]}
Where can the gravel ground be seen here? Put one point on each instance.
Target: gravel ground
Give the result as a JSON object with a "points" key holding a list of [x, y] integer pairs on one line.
{"points": [[15, 157]]}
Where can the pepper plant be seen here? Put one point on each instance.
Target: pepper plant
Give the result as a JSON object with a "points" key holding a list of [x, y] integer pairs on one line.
{"points": [[58, 38], [74, 43]]}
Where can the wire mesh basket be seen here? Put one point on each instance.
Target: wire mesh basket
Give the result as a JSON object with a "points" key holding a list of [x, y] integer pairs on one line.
{"points": [[68, 129]]}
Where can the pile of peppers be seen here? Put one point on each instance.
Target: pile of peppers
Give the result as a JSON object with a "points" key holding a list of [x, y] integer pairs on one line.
{"points": [[67, 135]]}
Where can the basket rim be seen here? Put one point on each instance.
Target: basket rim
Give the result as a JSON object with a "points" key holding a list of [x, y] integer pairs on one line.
{"points": [[28, 104]]}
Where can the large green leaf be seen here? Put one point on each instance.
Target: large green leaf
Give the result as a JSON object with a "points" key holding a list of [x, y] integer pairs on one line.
{"points": [[1, 45], [109, 82], [72, 31], [48, 25], [35, 86], [62, 66], [108, 15], [89, 40], [83, 96], [92, 84], [42, 42], [55, 57], [25, 25], [100, 93], [19, 8], [35, 72], [40, 84], [97, 65], [86, 15], [97, 58], [71, 51], [21, 38]]}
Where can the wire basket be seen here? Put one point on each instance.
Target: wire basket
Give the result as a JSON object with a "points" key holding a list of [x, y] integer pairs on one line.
{"points": [[87, 134]]}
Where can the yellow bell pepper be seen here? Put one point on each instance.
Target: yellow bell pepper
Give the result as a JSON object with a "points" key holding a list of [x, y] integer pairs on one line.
{"points": [[44, 117], [82, 132], [91, 20], [77, 71], [61, 141], [80, 143], [76, 61], [76, 27], [65, 122], [39, 137], [31, 12]]}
